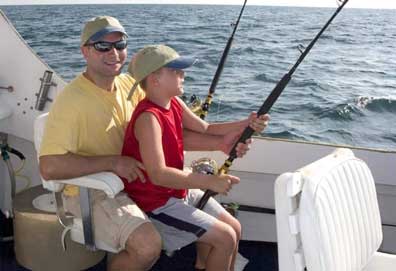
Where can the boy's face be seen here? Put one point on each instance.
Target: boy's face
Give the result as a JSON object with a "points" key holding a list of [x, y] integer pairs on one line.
{"points": [[171, 81]]}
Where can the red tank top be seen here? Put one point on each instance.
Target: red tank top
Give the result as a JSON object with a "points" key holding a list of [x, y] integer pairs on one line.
{"points": [[149, 196]]}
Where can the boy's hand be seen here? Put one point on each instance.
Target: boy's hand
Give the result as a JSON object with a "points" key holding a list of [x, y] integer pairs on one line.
{"points": [[258, 124], [229, 141], [222, 184], [129, 168]]}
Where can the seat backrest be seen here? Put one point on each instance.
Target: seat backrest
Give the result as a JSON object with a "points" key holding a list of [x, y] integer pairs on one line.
{"points": [[39, 126], [328, 215]]}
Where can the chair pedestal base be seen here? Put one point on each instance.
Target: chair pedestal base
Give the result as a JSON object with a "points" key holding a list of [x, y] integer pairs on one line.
{"points": [[38, 239]]}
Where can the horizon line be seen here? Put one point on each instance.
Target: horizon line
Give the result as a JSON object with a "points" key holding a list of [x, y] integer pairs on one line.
{"points": [[189, 4]]}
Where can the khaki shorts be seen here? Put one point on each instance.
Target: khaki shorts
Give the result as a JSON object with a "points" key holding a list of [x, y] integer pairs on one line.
{"points": [[113, 219]]}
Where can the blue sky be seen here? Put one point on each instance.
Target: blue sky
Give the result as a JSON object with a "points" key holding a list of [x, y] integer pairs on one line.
{"points": [[312, 3]]}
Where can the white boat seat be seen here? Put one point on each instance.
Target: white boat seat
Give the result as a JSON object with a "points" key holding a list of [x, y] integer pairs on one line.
{"points": [[328, 217], [107, 182]]}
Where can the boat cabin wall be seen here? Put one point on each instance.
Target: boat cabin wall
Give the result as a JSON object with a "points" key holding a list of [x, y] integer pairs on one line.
{"points": [[22, 70], [24, 78]]}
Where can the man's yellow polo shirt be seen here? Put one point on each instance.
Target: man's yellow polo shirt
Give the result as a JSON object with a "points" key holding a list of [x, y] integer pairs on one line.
{"points": [[88, 120]]}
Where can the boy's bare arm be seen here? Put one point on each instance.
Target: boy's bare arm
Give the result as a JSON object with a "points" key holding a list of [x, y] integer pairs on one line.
{"points": [[194, 123], [194, 141], [148, 133]]}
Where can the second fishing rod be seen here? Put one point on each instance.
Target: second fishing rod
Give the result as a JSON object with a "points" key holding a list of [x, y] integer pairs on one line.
{"points": [[203, 109], [266, 106]]}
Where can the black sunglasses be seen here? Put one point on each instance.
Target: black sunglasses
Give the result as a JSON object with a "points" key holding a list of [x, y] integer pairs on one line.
{"points": [[105, 46]]}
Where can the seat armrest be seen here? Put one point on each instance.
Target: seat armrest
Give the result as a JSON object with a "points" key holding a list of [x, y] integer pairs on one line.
{"points": [[107, 182]]}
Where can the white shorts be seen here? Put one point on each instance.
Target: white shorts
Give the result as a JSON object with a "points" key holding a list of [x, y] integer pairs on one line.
{"points": [[180, 223]]}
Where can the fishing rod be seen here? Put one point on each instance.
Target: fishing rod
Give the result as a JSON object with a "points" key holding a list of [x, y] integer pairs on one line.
{"points": [[203, 109], [266, 106]]}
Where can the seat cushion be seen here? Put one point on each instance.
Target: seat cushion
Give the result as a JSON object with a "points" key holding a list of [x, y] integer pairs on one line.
{"points": [[339, 215]]}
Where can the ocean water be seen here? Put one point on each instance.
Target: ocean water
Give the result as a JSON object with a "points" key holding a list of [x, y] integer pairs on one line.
{"points": [[344, 92]]}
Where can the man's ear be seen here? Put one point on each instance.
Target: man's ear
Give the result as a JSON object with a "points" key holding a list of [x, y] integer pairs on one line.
{"points": [[84, 51]]}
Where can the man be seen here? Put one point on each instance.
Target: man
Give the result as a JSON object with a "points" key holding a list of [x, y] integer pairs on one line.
{"points": [[84, 135]]}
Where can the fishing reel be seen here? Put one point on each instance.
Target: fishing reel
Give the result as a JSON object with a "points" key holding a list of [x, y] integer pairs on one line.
{"points": [[205, 166], [194, 103]]}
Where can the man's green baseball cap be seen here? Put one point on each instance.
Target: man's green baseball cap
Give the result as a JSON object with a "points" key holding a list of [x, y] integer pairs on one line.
{"points": [[153, 57], [97, 27]]}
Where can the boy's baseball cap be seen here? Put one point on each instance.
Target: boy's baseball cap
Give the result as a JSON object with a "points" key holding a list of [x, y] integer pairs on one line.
{"points": [[153, 57]]}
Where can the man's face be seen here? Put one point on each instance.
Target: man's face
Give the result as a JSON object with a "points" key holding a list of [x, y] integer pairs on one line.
{"points": [[105, 64]]}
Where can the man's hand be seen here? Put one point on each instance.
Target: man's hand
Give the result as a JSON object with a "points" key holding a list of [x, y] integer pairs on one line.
{"points": [[129, 168]]}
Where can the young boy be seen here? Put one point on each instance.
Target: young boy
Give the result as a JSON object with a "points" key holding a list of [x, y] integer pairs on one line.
{"points": [[168, 194]]}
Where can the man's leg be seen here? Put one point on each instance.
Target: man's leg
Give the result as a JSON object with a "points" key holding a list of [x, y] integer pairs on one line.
{"points": [[142, 250], [120, 223]]}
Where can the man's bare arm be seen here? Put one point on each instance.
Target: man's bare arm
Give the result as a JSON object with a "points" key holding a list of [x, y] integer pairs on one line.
{"points": [[69, 165]]}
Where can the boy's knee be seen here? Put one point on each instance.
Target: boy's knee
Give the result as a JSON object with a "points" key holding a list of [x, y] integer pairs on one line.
{"points": [[232, 235], [227, 236], [238, 229], [234, 223]]}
